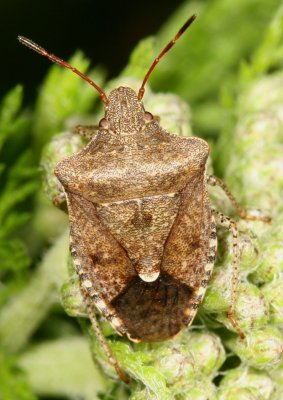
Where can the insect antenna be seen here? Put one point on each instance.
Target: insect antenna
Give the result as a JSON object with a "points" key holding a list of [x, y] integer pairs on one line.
{"points": [[163, 52], [29, 43]]}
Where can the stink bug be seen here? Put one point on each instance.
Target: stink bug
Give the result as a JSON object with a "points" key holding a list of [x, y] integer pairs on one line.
{"points": [[143, 232]]}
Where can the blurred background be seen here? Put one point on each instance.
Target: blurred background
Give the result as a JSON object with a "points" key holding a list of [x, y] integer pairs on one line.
{"points": [[204, 83]]}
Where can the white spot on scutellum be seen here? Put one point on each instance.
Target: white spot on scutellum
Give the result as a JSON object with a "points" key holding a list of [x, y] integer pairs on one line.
{"points": [[149, 277]]}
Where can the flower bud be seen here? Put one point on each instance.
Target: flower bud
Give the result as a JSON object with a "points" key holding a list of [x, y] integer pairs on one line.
{"points": [[245, 378], [274, 295], [60, 146], [262, 348]]}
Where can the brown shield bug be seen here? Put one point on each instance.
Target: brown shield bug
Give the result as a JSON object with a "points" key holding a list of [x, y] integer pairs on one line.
{"points": [[143, 232]]}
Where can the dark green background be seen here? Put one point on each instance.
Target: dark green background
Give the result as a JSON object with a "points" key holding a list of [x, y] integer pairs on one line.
{"points": [[106, 31]]}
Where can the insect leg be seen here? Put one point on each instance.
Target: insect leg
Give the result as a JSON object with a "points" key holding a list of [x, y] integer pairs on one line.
{"points": [[95, 325], [243, 213], [231, 226]]}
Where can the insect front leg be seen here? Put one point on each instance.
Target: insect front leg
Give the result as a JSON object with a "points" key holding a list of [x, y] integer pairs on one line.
{"points": [[231, 226], [242, 212]]}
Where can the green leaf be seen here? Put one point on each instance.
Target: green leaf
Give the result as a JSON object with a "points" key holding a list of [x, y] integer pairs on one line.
{"points": [[9, 109], [270, 52], [13, 382], [62, 95], [13, 255], [19, 181], [141, 58]]}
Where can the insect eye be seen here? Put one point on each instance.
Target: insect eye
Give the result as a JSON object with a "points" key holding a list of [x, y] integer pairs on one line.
{"points": [[148, 116], [103, 123]]}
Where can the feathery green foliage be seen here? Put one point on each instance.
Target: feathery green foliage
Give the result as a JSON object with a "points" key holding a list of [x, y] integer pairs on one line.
{"points": [[230, 71]]}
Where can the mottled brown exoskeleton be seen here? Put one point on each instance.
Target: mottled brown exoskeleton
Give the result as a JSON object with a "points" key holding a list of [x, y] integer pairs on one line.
{"points": [[143, 232]]}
